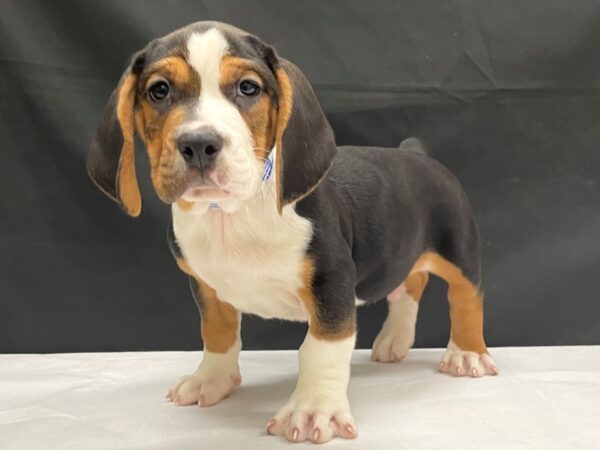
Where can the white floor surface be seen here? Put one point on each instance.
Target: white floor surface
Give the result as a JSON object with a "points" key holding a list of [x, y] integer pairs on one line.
{"points": [[546, 398]]}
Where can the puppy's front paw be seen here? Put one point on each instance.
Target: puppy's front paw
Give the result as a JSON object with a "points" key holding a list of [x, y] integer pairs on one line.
{"points": [[460, 363], [203, 389], [315, 419]]}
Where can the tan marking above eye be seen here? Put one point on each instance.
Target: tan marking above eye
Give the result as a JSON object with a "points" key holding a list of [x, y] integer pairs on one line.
{"points": [[252, 76], [177, 73], [260, 116], [234, 69]]}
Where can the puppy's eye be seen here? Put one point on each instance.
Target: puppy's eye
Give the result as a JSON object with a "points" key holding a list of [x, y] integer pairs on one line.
{"points": [[159, 91], [249, 88]]}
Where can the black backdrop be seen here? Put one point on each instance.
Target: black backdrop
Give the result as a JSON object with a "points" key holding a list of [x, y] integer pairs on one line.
{"points": [[506, 94]]}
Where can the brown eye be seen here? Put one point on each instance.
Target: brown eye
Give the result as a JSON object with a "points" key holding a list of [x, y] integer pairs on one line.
{"points": [[249, 88], [159, 91]]}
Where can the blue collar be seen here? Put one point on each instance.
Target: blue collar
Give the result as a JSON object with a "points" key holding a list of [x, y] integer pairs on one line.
{"points": [[268, 169]]}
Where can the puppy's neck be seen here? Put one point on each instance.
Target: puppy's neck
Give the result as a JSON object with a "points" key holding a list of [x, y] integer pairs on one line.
{"points": [[256, 222]]}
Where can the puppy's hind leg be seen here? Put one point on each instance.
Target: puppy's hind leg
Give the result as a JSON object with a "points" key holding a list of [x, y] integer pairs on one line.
{"points": [[467, 353], [397, 334]]}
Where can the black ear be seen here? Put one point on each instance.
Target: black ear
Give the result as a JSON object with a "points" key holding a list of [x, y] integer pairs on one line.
{"points": [[111, 160], [304, 139]]}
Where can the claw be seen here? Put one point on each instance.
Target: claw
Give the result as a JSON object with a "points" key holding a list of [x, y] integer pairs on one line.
{"points": [[269, 424], [350, 430], [318, 422], [316, 435]]}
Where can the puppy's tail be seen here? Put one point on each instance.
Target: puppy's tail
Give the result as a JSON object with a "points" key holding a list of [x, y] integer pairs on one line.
{"points": [[412, 144]]}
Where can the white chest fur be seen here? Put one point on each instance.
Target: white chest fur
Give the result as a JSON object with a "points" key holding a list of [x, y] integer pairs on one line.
{"points": [[252, 257]]}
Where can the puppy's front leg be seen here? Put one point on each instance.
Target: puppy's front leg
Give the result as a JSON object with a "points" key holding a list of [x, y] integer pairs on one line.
{"points": [[218, 373], [319, 409]]}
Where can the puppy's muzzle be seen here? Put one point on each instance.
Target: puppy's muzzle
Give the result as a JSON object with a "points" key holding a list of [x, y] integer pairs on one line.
{"points": [[200, 148]]}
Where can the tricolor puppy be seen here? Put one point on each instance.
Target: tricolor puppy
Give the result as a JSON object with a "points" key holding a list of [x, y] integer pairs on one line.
{"points": [[270, 218]]}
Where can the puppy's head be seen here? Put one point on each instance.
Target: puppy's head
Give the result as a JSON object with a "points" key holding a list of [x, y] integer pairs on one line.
{"points": [[209, 102]]}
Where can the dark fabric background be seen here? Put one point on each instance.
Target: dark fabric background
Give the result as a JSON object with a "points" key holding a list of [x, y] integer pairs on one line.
{"points": [[506, 94]]}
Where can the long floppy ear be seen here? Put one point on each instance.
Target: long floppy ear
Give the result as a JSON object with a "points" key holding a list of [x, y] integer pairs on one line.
{"points": [[304, 139], [111, 160]]}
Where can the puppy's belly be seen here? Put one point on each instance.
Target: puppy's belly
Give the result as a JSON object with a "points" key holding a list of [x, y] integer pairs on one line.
{"points": [[269, 299]]}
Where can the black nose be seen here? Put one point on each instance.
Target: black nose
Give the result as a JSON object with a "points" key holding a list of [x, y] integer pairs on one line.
{"points": [[200, 149]]}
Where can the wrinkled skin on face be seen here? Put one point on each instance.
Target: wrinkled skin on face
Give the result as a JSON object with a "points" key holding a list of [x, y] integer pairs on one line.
{"points": [[207, 73]]}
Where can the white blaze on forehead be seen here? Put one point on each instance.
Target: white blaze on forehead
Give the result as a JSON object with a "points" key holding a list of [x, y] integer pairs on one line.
{"points": [[236, 169], [204, 53]]}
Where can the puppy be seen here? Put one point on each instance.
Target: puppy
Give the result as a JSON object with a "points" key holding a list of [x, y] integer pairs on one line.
{"points": [[270, 218]]}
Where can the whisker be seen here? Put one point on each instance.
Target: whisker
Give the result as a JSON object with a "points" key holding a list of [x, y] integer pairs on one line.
{"points": [[270, 188], [262, 203]]}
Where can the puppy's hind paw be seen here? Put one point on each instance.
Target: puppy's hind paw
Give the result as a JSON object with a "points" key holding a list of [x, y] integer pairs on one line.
{"points": [[463, 363]]}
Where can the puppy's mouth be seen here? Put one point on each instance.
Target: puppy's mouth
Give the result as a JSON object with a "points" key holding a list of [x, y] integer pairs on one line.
{"points": [[206, 188], [205, 192]]}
